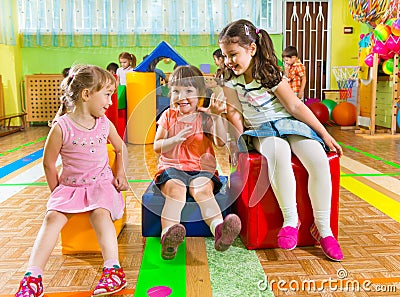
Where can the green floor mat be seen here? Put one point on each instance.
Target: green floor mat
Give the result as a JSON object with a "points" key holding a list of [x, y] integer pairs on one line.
{"points": [[156, 272], [236, 272]]}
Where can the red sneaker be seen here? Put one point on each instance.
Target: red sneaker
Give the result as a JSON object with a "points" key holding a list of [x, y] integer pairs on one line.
{"points": [[30, 287], [112, 280]]}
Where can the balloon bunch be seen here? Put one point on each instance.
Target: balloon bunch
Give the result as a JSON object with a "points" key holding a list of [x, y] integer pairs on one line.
{"points": [[385, 42]]}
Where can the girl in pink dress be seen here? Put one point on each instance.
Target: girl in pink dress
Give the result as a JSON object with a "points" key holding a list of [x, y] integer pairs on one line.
{"points": [[184, 139], [86, 182]]}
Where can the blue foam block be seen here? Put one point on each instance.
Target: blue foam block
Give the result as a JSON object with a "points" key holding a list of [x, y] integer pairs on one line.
{"points": [[191, 218]]}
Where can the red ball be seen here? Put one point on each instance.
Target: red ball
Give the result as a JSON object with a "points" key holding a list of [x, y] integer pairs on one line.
{"points": [[345, 114], [320, 111]]}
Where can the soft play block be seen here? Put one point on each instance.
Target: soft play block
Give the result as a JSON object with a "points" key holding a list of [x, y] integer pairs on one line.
{"points": [[78, 235], [121, 97], [258, 208], [153, 202]]}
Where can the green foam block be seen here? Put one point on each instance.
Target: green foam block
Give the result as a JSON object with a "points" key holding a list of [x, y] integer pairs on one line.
{"points": [[121, 97]]}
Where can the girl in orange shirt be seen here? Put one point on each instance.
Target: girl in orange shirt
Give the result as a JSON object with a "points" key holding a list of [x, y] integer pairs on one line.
{"points": [[184, 139]]}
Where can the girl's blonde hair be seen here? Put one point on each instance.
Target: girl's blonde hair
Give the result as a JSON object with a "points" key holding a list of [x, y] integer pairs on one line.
{"points": [[266, 70], [82, 77], [188, 75]]}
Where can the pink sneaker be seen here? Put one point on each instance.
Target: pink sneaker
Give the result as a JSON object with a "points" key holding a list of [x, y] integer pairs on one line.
{"points": [[288, 236], [171, 240], [30, 287], [112, 280], [330, 246], [226, 232]]}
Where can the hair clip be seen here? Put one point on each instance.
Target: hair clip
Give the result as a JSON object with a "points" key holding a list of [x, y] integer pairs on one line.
{"points": [[257, 30], [246, 30]]}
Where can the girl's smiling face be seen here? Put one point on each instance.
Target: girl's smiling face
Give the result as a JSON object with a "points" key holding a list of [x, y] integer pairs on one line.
{"points": [[238, 58], [185, 99], [100, 101]]}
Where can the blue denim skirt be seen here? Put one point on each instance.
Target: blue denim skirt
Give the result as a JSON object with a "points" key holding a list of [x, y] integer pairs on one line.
{"points": [[278, 128]]}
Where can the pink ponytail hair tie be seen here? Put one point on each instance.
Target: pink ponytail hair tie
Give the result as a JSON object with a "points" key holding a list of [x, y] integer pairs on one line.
{"points": [[257, 30]]}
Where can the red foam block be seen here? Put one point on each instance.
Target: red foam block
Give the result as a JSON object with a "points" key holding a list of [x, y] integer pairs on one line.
{"points": [[260, 214]]}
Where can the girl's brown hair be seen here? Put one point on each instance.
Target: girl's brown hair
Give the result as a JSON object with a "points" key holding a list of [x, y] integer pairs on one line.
{"points": [[186, 76], [82, 77], [129, 57], [265, 69]]}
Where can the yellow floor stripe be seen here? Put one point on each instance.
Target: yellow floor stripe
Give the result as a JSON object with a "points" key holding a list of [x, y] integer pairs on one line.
{"points": [[380, 201]]}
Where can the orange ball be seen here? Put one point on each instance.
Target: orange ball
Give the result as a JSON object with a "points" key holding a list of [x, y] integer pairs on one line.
{"points": [[344, 114]]}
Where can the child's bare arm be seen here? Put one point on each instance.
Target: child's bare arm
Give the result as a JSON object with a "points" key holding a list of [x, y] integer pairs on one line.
{"points": [[121, 162]]}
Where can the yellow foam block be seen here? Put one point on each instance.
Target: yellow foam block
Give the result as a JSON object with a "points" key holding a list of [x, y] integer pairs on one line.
{"points": [[78, 236], [141, 107]]}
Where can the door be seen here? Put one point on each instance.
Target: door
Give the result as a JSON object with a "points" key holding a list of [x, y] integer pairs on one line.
{"points": [[306, 28]]}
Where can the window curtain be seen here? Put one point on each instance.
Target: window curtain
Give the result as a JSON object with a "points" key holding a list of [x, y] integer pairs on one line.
{"points": [[7, 23], [119, 23]]}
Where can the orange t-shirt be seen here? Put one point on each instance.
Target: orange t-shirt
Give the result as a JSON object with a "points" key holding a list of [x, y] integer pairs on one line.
{"points": [[296, 71], [196, 153]]}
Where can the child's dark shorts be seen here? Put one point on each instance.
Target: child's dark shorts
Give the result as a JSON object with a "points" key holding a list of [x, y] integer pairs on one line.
{"points": [[186, 177]]}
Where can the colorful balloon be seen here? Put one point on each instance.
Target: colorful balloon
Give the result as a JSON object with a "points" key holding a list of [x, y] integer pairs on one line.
{"points": [[382, 32], [387, 56], [387, 66], [389, 22], [396, 27], [393, 43], [380, 48], [369, 60]]}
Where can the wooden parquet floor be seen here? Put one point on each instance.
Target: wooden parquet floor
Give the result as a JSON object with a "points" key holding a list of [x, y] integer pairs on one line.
{"points": [[370, 239]]}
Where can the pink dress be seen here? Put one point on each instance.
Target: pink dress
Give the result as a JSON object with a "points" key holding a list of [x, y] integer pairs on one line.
{"points": [[86, 178]]}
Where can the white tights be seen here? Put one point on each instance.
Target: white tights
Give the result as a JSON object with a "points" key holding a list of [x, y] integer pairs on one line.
{"points": [[311, 154]]}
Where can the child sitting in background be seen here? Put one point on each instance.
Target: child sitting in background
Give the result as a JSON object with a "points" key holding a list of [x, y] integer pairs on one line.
{"points": [[112, 68]]}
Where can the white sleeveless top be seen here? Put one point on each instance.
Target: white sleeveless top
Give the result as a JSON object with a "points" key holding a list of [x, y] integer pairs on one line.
{"points": [[259, 104]]}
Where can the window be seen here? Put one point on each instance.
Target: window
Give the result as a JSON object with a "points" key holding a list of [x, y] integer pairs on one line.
{"points": [[155, 17]]}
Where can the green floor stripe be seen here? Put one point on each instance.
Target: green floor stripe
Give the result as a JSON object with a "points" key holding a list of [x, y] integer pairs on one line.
{"points": [[154, 271], [140, 180], [36, 184], [23, 145], [41, 184], [390, 163], [236, 272], [370, 174]]}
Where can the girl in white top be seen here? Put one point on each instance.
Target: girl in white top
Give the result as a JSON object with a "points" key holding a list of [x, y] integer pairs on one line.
{"points": [[267, 116], [127, 62]]}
